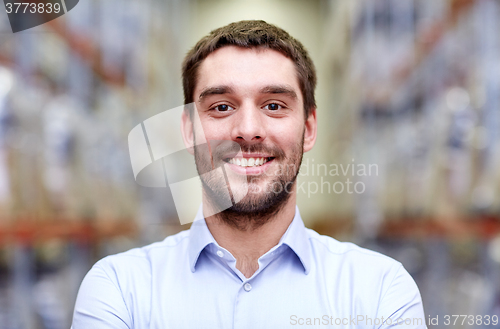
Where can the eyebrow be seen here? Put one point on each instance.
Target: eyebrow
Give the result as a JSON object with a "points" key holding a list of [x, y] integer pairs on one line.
{"points": [[279, 89], [218, 90]]}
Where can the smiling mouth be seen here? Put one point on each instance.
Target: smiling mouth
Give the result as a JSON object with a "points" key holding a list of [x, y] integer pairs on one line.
{"points": [[248, 162]]}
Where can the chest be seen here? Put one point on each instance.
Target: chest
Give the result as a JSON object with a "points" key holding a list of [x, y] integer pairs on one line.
{"points": [[281, 296]]}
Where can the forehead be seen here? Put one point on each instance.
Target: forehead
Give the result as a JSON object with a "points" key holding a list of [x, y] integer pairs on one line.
{"points": [[246, 69]]}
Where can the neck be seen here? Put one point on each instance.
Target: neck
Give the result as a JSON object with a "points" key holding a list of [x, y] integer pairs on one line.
{"points": [[248, 245]]}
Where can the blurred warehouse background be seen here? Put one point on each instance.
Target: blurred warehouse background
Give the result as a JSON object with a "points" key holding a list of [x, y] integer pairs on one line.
{"points": [[406, 161]]}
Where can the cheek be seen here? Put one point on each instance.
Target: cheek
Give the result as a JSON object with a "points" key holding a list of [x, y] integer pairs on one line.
{"points": [[289, 134], [215, 130]]}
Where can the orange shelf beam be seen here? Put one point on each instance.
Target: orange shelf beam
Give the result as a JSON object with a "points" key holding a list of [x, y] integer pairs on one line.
{"points": [[30, 231]]}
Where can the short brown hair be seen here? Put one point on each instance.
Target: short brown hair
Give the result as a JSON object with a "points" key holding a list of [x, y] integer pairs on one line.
{"points": [[250, 34]]}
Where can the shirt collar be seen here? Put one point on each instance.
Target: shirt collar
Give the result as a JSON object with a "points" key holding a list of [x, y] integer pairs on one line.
{"points": [[295, 238], [199, 238]]}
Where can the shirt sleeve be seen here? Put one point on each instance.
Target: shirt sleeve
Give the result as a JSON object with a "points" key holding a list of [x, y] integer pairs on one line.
{"points": [[100, 303], [401, 306]]}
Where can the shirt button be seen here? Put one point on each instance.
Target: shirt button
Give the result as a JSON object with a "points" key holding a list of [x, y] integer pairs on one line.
{"points": [[247, 287], [220, 253]]}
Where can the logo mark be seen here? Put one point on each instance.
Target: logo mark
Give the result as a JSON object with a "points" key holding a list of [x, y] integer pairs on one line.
{"points": [[25, 14], [159, 158]]}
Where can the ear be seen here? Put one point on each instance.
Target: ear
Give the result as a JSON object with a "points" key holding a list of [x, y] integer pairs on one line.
{"points": [[187, 131], [310, 131]]}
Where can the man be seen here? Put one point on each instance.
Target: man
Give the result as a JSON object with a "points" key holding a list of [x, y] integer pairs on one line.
{"points": [[253, 265]]}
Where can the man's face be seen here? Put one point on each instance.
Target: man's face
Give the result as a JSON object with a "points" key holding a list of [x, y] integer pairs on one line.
{"points": [[252, 97]]}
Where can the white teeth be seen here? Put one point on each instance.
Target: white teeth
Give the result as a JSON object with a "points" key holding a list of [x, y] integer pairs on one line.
{"points": [[248, 162]]}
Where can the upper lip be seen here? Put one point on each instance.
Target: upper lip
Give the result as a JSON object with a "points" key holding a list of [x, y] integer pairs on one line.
{"points": [[247, 155]]}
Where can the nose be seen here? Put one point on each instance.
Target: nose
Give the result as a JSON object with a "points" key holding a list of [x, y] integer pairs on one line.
{"points": [[249, 125]]}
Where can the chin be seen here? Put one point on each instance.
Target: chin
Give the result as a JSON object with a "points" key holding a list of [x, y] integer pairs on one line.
{"points": [[260, 200]]}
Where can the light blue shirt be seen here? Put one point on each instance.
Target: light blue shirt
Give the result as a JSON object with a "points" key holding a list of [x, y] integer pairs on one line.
{"points": [[306, 281]]}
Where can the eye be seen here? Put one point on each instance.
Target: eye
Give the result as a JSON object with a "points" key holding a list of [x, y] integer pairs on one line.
{"points": [[222, 108], [273, 107]]}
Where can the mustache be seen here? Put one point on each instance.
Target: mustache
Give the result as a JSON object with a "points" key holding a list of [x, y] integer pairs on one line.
{"points": [[231, 149]]}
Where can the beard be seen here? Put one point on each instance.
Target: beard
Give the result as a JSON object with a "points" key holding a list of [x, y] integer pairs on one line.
{"points": [[266, 193]]}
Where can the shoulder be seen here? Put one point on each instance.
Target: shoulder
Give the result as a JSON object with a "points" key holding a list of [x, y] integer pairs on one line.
{"points": [[338, 248], [352, 257], [117, 289], [139, 260], [367, 272]]}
